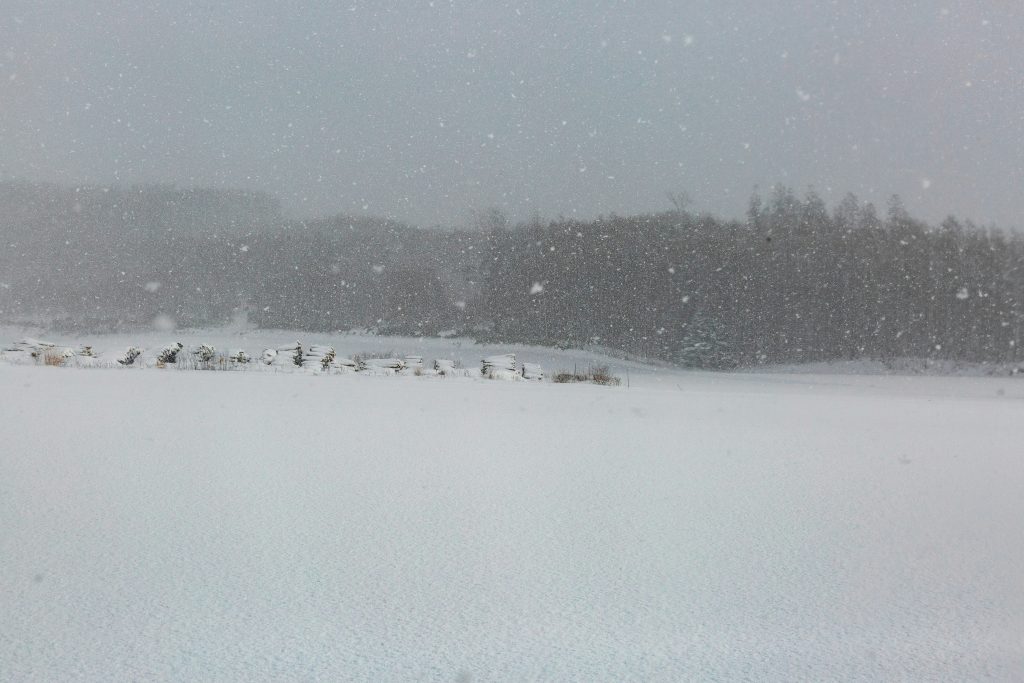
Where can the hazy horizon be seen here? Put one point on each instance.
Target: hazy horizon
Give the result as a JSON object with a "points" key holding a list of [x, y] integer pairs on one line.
{"points": [[428, 111]]}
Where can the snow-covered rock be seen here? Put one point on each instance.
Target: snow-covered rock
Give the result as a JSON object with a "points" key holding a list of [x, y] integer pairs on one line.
{"points": [[532, 371], [505, 375], [381, 365], [343, 364], [444, 365], [27, 348], [501, 361], [317, 357], [289, 355]]}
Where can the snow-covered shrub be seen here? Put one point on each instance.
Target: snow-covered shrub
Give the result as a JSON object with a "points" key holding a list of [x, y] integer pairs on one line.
{"points": [[130, 355], [205, 353], [169, 354], [239, 356], [600, 374]]}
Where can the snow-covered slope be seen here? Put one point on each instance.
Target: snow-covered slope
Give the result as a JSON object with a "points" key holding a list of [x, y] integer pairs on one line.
{"points": [[237, 526]]}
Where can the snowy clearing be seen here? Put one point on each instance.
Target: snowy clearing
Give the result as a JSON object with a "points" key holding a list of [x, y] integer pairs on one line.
{"points": [[230, 526]]}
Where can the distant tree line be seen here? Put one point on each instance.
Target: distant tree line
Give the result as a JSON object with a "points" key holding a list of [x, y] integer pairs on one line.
{"points": [[794, 282]]}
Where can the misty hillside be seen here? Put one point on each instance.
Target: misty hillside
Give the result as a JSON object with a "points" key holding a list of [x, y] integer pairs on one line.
{"points": [[794, 282]]}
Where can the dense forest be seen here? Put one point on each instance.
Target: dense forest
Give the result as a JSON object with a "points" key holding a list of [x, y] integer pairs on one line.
{"points": [[795, 281]]}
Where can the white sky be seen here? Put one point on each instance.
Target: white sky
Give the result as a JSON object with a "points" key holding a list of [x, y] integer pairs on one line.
{"points": [[425, 111]]}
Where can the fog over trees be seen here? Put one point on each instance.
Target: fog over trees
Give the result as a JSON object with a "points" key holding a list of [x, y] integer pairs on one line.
{"points": [[796, 281], [349, 123]]}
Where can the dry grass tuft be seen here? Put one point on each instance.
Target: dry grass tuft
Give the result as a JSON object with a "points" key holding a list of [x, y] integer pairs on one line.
{"points": [[53, 358], [599, 374]]}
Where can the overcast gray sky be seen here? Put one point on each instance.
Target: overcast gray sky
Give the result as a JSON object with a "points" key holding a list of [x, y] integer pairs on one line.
{"points": [[425, 111]]}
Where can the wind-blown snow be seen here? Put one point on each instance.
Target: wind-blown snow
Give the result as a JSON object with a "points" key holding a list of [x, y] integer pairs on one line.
{"points": [[214, 525]]}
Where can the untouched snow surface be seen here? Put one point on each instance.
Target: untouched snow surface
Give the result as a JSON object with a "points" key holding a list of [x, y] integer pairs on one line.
{"points": [[163, 525]]}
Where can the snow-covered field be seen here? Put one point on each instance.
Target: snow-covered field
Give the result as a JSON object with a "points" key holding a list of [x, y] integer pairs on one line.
{"points": [[164, 525]]}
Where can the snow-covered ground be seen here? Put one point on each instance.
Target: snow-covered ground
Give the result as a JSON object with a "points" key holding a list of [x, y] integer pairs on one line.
{"points": [[162, 525]]}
